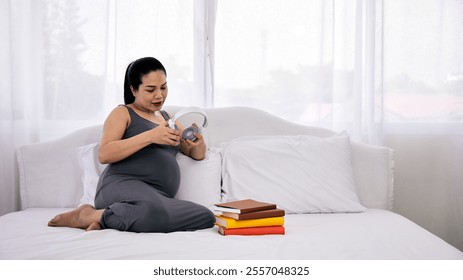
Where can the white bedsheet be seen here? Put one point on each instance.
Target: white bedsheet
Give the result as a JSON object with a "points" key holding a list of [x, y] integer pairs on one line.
{"points": [[375, 234]]}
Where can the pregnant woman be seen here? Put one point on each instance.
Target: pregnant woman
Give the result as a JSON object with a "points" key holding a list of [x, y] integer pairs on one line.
{"points": [[136, 190]]}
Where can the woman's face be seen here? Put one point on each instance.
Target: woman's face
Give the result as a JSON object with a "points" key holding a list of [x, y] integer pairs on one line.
{"points": [[152, 92]]}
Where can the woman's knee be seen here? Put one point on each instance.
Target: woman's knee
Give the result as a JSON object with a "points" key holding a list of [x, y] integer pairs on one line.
{"points": [[151, 218], [207, 219]]}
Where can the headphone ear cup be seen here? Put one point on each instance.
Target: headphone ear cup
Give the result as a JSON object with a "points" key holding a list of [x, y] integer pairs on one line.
{"points": [[189, 133]]}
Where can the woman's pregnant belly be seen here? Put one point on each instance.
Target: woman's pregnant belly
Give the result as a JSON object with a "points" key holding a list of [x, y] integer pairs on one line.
{"points": [[156, 166]]}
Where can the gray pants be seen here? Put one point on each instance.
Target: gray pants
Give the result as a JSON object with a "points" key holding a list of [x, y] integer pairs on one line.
{"points": [[133, 205]]}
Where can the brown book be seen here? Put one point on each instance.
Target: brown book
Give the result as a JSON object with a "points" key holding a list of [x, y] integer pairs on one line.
{"points": [[252, 230], [255, 215], [244, 206]]}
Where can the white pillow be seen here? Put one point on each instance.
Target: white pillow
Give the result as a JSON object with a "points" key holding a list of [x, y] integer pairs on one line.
{"points": [[91, 171], [199, 181], [301, 174], [49, 175]]}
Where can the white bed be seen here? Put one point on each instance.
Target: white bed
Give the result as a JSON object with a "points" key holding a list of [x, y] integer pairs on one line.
{"points": [[51, 181]]}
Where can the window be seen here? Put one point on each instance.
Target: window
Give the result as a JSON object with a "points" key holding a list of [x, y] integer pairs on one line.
{"points": [[423, 62], [275, 55], [89, 44]]}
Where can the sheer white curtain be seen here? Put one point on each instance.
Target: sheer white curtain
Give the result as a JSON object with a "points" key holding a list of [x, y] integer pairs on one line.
{"points": [[423, 111], [423, 66], [315, 62], [63, 65]]}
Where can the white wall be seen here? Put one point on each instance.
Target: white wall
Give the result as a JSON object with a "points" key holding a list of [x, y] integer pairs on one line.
{"points": [[429, 182]]}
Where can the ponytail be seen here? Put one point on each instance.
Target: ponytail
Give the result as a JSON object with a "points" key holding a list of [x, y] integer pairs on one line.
{"points": [[128, 95]]}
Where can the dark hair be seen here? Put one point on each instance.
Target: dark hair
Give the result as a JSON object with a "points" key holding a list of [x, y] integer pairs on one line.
{"points": [[135, 71]]}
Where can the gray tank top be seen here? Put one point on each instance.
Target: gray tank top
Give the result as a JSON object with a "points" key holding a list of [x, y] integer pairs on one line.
{"points": [[154, 164]]}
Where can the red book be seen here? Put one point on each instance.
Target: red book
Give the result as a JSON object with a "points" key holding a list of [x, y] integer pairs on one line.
{"points": [[252, 230]]}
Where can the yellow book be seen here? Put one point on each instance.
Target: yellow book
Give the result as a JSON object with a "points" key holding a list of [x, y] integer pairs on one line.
{"points": [[264, 222]]}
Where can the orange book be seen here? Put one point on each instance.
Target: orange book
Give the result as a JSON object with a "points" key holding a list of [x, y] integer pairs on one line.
{"points": [[264, 222], [252, 230]]}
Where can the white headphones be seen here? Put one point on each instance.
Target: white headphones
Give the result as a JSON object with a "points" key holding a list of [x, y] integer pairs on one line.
{"points": [[189, 132]]}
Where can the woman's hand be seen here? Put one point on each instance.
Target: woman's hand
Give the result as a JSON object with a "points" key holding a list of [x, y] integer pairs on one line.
{"points": [[195, 149], [164, 135]]}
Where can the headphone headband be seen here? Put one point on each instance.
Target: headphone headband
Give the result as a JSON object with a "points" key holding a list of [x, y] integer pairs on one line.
{"points": [[186, 111]]}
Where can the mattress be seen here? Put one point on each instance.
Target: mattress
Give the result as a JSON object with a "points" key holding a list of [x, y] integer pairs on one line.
{"points": [[373, 234]]}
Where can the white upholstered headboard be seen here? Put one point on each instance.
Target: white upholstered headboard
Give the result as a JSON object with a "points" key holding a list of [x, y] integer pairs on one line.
{"points": [[373, 165]]}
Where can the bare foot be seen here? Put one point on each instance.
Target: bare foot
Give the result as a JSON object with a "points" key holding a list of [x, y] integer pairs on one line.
{"points": [[82, 217], [94, 226]]}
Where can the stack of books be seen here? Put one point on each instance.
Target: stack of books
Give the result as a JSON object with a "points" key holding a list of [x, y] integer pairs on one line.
{"points": [[249, 217]]}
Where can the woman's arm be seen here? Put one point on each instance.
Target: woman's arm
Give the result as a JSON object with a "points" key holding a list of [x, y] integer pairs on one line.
{"points": [[113, 148], [197, 149]]}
